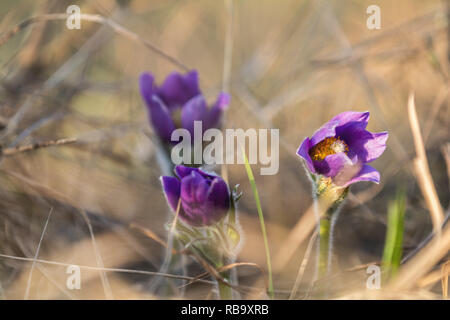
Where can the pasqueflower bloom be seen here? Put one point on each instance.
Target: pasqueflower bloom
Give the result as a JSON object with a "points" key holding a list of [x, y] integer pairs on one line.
{"points": [[342, 147], [205, 198], [178, 102]]}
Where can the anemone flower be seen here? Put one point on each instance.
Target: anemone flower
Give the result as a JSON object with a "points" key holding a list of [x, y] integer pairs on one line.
{"points": [[178, 102], [205, 197], [337, 155], [341, 149]]}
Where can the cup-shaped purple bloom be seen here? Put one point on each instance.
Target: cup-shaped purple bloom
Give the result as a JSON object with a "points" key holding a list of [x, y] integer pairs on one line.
{"points": [[178, 102], [205, 198], [342, 147]]}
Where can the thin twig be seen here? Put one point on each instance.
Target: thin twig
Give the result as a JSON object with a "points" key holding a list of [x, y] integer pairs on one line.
{"points": [[27, 291], [98, 257], [39, 145]]}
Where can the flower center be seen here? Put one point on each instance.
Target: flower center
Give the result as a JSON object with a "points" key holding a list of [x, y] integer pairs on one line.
{"points": [[326, 147]]}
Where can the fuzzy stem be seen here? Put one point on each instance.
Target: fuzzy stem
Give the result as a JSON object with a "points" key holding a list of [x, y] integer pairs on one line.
{"points": [[225, 292], [324, 246], [329, 200]]}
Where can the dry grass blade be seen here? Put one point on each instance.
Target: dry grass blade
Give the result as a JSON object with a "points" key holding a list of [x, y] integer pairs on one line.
{"points": [[149, 233], [422, 170], [98, 257], [445, 271], [295, 238], [27, 291], [302, 268]]}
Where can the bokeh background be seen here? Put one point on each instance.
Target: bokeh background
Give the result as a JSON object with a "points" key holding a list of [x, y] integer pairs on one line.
{"points": [[289, 64]]}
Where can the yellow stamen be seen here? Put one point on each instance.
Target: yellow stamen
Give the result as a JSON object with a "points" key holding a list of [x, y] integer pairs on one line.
{"points": [[326, 147]]}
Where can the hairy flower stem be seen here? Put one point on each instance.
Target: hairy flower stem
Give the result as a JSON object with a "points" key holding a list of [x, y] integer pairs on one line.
{"points": [[225, 292], [324, 246], [329, 199]]}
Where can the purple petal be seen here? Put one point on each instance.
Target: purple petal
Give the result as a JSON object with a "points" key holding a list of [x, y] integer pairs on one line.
{"points": [[218, 200], [352, 116], [376, 145], [204, 202], [215, 114], [367, 173], [171, 187], [341, 120], [333, 164], [362, 144], [303, 152], [178, 89], [183, 171], [194, 110], [194, 190], [326, 131], [160, 117], [219, 194], [147, 87]]}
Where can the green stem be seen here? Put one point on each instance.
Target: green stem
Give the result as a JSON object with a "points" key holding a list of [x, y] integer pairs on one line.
{"points": [[324, 246], [225, 292], [251, 179]]}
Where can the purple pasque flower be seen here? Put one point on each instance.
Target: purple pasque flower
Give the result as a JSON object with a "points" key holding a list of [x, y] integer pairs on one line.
{"points": [[178, 102], [342, 147], [205, 198]]}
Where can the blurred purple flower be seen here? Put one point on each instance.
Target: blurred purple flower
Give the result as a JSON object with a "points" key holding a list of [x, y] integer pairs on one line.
{"points": [[205, 198], [342, 147], [178, 102]]}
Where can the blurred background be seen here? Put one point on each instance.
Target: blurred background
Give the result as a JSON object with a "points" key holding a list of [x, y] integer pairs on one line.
{"points": [[290, 64]]}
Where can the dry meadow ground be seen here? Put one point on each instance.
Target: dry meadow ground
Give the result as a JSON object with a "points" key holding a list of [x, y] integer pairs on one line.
{"points": [[288, 64]]}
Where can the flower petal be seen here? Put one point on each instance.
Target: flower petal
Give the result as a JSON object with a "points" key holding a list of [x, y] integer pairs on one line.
{"points": [[326, 131], [171, 187], [183, 171], [333, 164], [147, 87], [364, 145], [303, 152], [367, 173], [194, 110], [219, 194], [216, 111], [178, 89], [352, 116], [218, 201], [203, 203], [159, 116], [376, 145], [161, 119], [341, 120], [194, 190]]}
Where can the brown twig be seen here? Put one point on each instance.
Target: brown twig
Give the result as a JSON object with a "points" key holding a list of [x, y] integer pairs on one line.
{"points": [[30, 147]]}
